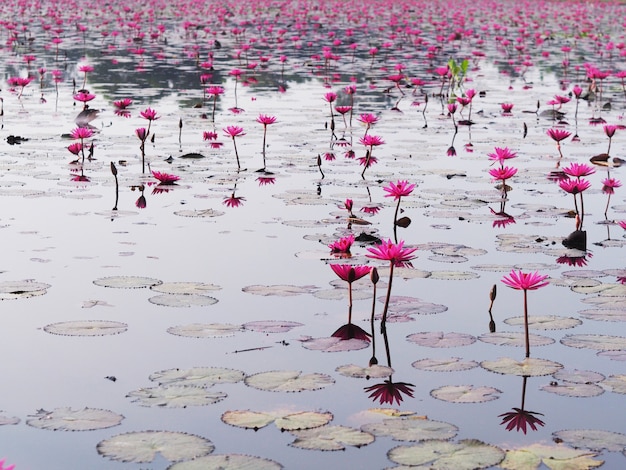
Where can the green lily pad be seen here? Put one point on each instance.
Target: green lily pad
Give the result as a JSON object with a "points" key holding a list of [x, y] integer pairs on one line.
{"points": [[227, 462], [568, 389], [554, 457], [205, 330], [127, 282], [465, 394], [67, 419], [284, 420], [86, 328], [375, 371], [467, 454], [143, 446], [616, 383], [530, 367], [452, 364], [182, 300], [328, 438], [508, 338], [544, 322], [288, 381], [593, 439], [175, 396], [439, 339], [412, 428], [197, 376], [597, 342]]}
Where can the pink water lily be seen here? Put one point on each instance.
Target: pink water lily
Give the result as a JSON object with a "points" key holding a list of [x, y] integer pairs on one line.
{"points": [[165, 178]]}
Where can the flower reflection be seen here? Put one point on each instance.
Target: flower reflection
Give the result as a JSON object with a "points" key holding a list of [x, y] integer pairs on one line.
{"points": [[388, 391], [234, 201], [519, 419], [351, 331], [165, 178], [578, 261], [265, 180]]}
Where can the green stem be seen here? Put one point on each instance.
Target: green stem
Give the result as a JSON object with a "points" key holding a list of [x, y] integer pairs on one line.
{"points": [[383, 322]]}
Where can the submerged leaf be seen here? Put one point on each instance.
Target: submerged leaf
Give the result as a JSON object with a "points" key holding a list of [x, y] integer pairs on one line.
{"points": [[67, 419], [182, 300], [204, 330], [335, 344], [279, 290], [199, 288]]}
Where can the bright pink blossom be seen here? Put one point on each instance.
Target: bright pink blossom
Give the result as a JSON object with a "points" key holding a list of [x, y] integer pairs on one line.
{"points": [[165, 178], [350, 273], [502, 173], [574, 186], [81, 133], [558, 134], [502, 154], [579, 169], [399, 189], [393, 252], [342, 245], [149, 114], [525, 281]]}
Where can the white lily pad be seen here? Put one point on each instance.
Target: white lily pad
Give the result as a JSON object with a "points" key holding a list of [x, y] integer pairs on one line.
{"points": [[453, 275], [619, 355], [288, 381], [175, 396], [198, 288], [143, 446], [284, 420], [205, 213], [67, 419], [597, 342], [579, 376], [451, 364], [205, 330], [517, 338], [375, 371], [334, 344], [12, 290], [593, 439], [469, 454], [402, 305], [279, 290], [555, 457], [544, 322], [227, 462], [465, 393], [439, 339], [182, 300], [604, 314], [86, 328], [271, 326], [568, 389], [616, 383], [8, 420], [530, 367], [604, 290], [127, 282], [328, 438], [412, 428], [197, 376]]}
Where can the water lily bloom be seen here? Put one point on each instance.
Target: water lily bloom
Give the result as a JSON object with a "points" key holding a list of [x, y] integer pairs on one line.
{"points": [[81, 133], [348, 204], [85, 68], [525, 281], [399, 189], [609, 185], [392, 252], [452, 108], [579, 169], [75, 148], [351, 331], [502, 173], [84, 96], [342, 245], [389, 391], [234, 201], [165, 178], [215, 91], [149, 114], [501, 154], [609, 130], [574, 186], [350, 273], [141, 133], [558, 134], [577, 90], [233, 131], [265, 119], [343, 109], [123, 103], [506, 107], [451, 152], [518, 419], [2, 467], [330, 97], [368, 118]]}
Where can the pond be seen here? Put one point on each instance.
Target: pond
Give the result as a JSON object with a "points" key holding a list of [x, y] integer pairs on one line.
{"points": [[181, 186]]}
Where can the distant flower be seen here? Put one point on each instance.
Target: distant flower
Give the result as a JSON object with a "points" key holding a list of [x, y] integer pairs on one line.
{"points": [[393, 252], [265, 119], [233, 131], [141, 202], [85, 68], [84, 96], [343, 109], [501, 154], [350, 331], [81, 133], [558, 134], [330, 97], [578, 261], [209, 135], [234, 201], [75, 148], [370, 209], [149, 114], [368, 119], [348, 204], [214, 91], [350, 273], [342, 245], [506, 107], [329, 156], [80, 178], [452, 108], [165, 178], [123, 103], [502, 223], [389, 391], [502, 173], [371, 140], [579, 169], [399, 189], [609, 185], [525, 281], [350, 89], [451, 152], [577, 90], [519, 419]]}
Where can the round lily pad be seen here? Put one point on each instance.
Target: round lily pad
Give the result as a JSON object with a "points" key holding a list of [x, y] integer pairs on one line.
{"points": [[508, 338], [593, 439], [288, 381], [530, 367], [279, 290], [467, 454], [597, 342], [465, 393], [619, 355], [12, 290], [334, 344], [412, 428], [227, 462], [198, 288], [453, 275], [67, 419], [197, 376], [206, 213], [375, 371], [401, 305], [451, 364], [616, 383], [182, 300], [205, 330], [544, 322], [285, 421], [127, 282], [579, 376], [553, 456], [271, 326], [86, 328], [331, 438], [143, 446], [568, 389], [604, 314], [175, 396], [439, 339]]}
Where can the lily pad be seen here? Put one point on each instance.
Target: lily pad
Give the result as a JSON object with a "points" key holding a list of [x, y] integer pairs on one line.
{"points": [[439, 339], [205, 330], [604, 314], [12, 290], [288, 381], [279, 290], [530, 367], [453, 275], [439, 455], [616, 383], [205, 213], [143, 446], [271, 326], [334, 344], [375, 371], [175, 396], [227, 462], [412, 428], [452, 364], [508, 338], [127, 282], [197, 376], [175, 288], [597, 342], [182, 300], [285, 421], [593, 439], [579, 376], [67, 419], [619, 355], [544, 322], [328, 438], [8, 420], [86, 328], [568, 389], [553, 457], [413, 306], [465, 393]]}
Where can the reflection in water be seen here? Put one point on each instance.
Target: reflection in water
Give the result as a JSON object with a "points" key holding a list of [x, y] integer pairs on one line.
{"points": [[519, 419]]}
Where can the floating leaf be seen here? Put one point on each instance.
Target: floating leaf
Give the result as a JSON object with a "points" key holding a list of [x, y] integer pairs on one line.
{"points": [[271, 326], [285, 421], [412, 428], [452, 364], [182, 300], [143, 446], [207, 213], [66, 419], [175, 396], [413, 306], [372, 372], [530, 367], [553, 457], [544, 322], [12, 290], [605, 290], [619, 355], [198, 288], [568, 389], [279, 290], [453, 275], [227, 462], [579, 376], [597, 342], [205, 330], [438, 339], [86, 328], [593, 439], [604, 314], [334, 344], [197, 376], [465, 393], [467, 454], [508, 338], [288, 381], [331, 438], [616, 383], [8, 420], [126, 282]]}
